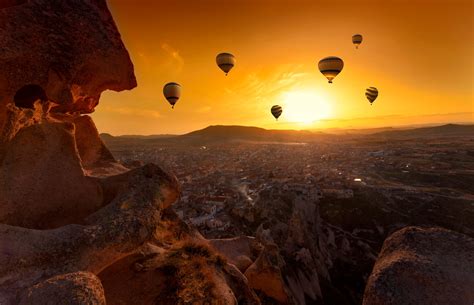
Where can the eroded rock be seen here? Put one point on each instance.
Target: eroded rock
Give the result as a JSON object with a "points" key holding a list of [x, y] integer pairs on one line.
{"points": [[423, 266], [265, 274], [42, 182], [119, 229], [79, 288], [70, 49]]}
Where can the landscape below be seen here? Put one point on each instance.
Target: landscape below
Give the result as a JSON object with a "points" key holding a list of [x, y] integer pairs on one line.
{"points": [[219, 216]]}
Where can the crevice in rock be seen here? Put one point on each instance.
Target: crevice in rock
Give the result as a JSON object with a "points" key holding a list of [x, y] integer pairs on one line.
{"points": [[27, 95]]}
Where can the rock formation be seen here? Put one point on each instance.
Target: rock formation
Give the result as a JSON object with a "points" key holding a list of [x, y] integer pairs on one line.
{"points": [[72, 219], [265, 274], [423, 266], [71, 50]]}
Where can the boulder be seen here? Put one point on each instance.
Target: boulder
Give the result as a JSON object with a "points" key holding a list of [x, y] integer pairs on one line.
{"points": [[79, 288], [238, 250], [189, 272], [69, 50], [131, 219], [265, 274], [42, 183], [423, 266]]}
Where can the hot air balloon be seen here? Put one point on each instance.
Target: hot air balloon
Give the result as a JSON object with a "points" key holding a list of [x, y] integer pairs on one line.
{"points": [[276, 111], [371, 93], [172, 92], [225, 61], [330, 67], [357, 40]]}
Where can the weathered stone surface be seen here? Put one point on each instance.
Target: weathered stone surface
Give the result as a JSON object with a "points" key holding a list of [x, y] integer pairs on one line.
{"points": [[29, 257], [423, 266], [294, 224], [238, 250], [42, 183], [189, 272], [79, 288], [92, 150], [96, 159], [71, 49], [265, 274]]}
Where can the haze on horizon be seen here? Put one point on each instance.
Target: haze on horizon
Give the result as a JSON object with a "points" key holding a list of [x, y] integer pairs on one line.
{"points": [[417, 53]]}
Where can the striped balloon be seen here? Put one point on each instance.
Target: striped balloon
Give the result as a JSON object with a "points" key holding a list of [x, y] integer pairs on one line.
{"points": [[225, 61], [371, 93], [172, 92], [330, 67], [357, 40], [276, 111]]}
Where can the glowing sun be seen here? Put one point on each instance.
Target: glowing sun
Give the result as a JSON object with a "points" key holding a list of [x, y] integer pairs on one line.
{"points": [[305, 107]]}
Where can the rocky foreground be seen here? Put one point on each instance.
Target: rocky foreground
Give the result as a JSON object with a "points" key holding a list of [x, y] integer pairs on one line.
{"points": [[77, 227]]}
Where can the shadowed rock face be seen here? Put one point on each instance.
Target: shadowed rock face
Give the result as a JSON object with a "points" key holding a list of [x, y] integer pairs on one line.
{"points": [[71, 49], [77, 288], [56, 57], [423, 266], [41, 179], [70, 215]]}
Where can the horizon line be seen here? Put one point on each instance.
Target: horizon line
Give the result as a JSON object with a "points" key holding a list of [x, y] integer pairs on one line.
{"points": [[414, 126]]}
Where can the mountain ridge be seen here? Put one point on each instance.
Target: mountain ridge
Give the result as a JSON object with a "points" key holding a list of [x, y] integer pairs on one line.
{"points": [[219, 133]]}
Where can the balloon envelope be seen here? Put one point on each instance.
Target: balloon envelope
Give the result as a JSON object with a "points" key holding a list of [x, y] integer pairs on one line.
{"points": [[357, 40], [371, 93], [276, 111], [330, 67], [225, 61], [172, 92]]}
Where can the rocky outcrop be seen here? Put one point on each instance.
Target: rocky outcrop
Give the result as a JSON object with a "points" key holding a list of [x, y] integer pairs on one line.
{"points": [[76, 227], [70, 50], [41, 162], [77, 288], [91, 149], [239, 251], [118, 229], [423, 266], [265, 274], [189, 272], [96, 159], [293, 224]]}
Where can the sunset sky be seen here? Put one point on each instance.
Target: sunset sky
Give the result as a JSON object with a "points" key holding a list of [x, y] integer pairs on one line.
{"points": [[417, 53]]}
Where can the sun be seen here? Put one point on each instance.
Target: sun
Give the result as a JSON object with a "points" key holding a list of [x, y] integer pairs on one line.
{"points": [[305, 107]]}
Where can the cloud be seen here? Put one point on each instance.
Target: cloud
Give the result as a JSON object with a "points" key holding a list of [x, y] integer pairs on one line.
{"points": [[146, 113], [204, 109], [266, 84], [401, 117], [173, 54]]}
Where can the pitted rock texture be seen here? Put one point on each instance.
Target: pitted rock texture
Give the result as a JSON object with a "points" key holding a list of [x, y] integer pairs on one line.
{"points": [[41, 179], [69, 213], [423, 266], [71, 49], [79, 288], [119, 229], [265, 274], [188, 272]]}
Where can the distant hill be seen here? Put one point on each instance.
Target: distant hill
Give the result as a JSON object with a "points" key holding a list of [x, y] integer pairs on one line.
{"points": [[448, 130], [225, 133], [141, 137], [222, 133], [360, 131]]}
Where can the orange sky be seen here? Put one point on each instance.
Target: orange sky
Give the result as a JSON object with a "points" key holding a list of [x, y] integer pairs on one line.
{"points": [[417, 53]]}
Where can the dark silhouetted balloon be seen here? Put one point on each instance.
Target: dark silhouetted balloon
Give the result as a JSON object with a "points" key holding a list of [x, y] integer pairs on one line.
{"points": [[330, 67], [371, 93], [172, 92], [276, 111], [357, 40], [225, 61]]}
